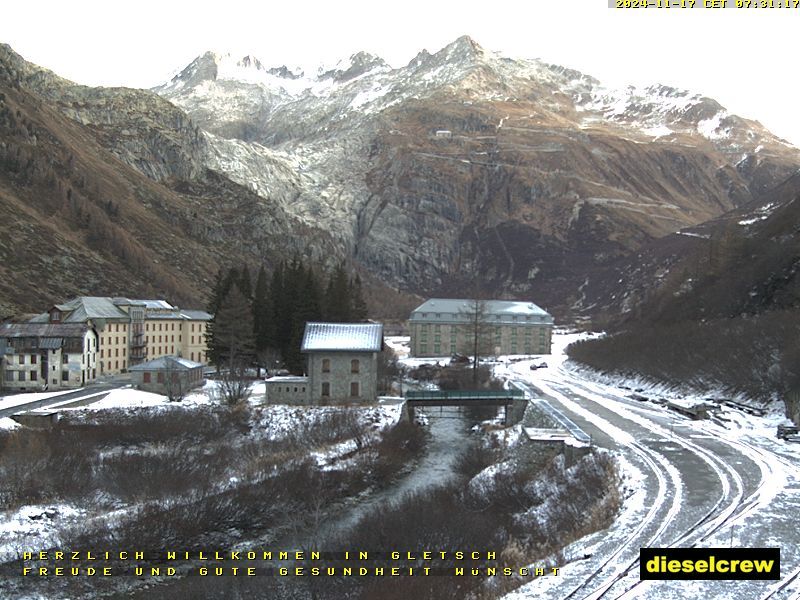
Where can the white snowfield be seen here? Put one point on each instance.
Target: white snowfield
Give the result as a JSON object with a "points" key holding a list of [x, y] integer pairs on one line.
{"points": [[722, 482], [42, 525], [717, 483], [20, 399]]}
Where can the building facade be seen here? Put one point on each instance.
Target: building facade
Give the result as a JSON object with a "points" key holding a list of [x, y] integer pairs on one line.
{"points": [[341, 366], [132, 331], [42, 356], [168, 375], [288, 389], [444, 326]]}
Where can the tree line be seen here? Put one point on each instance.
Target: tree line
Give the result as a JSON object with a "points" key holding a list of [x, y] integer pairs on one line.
{"points": [[263, 324]]}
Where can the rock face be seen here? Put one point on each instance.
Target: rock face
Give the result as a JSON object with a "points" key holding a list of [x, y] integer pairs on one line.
{"points": [[743, 263], [138, 127], [462, 165], [466, 162], [105, 192]]}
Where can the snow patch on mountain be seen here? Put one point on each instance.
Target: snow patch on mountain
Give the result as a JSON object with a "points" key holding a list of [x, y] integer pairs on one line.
{"points": [[761, 213], [712, 128]]}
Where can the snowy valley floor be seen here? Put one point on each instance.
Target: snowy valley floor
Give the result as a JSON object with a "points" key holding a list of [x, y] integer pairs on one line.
{"points": [[722, 482]]}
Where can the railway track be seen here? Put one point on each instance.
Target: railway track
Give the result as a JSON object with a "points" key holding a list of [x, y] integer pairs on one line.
{"points": [[738, 498]]}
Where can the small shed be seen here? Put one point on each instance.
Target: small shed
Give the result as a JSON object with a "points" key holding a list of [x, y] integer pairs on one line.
{"points": [[443, 134], [287, 389], [559, 441], [172, 376]]}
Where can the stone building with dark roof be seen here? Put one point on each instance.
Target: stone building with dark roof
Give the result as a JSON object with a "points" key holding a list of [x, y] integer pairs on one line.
{"points": [[168, 375], [39, 356], [341, 366]]}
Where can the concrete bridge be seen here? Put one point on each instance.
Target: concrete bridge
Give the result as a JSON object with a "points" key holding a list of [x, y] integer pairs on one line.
{"points": [[464, 398]]}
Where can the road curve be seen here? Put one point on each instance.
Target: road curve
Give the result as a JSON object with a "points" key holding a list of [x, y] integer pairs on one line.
{"points": [[689, 483]]}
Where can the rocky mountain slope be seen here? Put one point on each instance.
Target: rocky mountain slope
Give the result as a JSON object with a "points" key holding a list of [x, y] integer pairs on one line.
{"points": [[104, 192], [537, 175], [716, 306], [461, 165], [744, 262]]}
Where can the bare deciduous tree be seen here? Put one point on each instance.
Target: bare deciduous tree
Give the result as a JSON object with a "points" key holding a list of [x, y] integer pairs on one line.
{"points": [[233, 386], [476, 330], [174, 383]]}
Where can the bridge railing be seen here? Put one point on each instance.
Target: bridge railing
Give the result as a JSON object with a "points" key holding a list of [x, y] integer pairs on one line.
{"points": [[464, 395]]}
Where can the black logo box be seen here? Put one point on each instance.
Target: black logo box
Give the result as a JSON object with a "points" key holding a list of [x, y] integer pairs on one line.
{"points": [[709, 563]]}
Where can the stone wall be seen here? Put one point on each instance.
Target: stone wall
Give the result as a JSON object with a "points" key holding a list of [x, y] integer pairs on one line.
{"points": [[338, 373]]}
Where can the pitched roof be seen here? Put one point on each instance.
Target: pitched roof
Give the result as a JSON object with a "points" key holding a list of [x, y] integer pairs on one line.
{"points": [[457, 309], [42, 330], [166, 362], [157, 304], [83, 308], [196, 315], [353, 337], [86, 307]]}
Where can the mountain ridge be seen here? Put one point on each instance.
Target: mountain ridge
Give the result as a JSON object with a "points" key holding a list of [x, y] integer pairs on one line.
{"points": [[537, 176]]}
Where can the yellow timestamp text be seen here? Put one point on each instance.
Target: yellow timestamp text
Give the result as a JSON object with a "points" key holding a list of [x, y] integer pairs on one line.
{"points": [[792, 4]]}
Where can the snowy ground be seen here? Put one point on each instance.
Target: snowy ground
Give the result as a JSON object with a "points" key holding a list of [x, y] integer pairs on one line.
{"points": [[26, 398], [38, 526], [7, 423], [712, 483], [132, 398], [715, 483], [127, 398]]}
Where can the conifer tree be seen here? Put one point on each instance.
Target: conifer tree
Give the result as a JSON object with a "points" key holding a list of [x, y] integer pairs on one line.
{"points": [[245, 283], [262, 313], [218, 291], [232, 340], [306, 309], [277, 300], [359, 305], [337, 297]]}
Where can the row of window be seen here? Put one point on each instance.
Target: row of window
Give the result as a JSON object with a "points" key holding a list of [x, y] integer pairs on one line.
{"points": [[116, 340], [528, 318], [302, 389], [34, 358], [355, 365], [437, 348], [424, 329], [33, 376], [171, 338], [171, 327], [22, 359], [161, 326], [354, 389], [147, 377], [116, 352], [116, 365], [167, 350]]}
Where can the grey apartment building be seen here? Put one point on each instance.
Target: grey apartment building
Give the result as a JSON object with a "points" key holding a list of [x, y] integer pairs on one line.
{"points": [[443, 327]]}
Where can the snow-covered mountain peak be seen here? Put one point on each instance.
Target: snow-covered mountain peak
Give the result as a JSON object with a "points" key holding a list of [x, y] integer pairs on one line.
{"points": [[223, 92], [463, 48], [463, 52], [358, 64], [218, 66]]}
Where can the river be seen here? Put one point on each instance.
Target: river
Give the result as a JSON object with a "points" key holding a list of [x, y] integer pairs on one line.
{"points": [[449, 435]]}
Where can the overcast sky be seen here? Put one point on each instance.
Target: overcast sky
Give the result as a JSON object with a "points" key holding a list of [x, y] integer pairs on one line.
{"points": [[744, 58]]}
